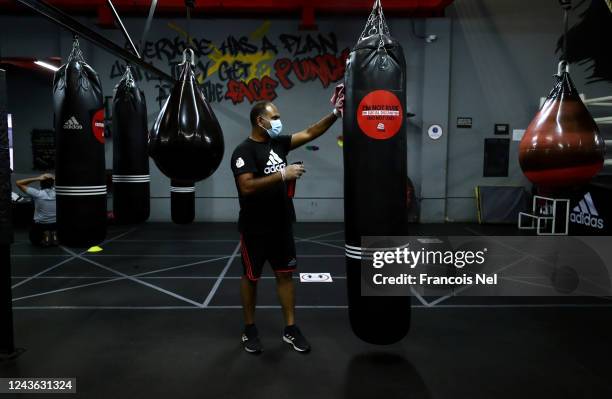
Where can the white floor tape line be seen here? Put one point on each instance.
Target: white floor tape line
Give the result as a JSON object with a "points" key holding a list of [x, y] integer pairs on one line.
{"points": [[215, 287]]}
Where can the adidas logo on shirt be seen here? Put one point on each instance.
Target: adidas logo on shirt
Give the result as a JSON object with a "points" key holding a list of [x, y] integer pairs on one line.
{"points": [[586, 214], [274, 164], [72, 124]]}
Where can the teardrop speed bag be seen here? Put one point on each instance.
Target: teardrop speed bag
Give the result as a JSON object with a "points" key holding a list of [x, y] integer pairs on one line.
{"points": [[562, 146], [375, 170], [186, 141], [131, 178], [80, 166]]}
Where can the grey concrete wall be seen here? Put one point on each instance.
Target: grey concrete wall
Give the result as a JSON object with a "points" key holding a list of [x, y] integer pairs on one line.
{"points": [[436, 92], [32, 110]]}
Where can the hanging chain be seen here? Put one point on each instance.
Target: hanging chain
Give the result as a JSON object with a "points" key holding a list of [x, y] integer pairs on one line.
{"points": [[566, 5], [189, 5], [566, 28], [188, 25], [369, 23], [76, 52], [376, 24], [383, 29], [129, 78]]}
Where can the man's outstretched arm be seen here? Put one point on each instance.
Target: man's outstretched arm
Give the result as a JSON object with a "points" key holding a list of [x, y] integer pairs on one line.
{"points": [[300, 138]]}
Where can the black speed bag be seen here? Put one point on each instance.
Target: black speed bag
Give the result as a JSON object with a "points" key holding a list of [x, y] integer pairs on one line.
{"points": [[186, 141]]}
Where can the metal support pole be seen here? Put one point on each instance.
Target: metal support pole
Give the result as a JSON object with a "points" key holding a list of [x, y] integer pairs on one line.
{"points": [[145, 32], [122, 27], [62, 19]]}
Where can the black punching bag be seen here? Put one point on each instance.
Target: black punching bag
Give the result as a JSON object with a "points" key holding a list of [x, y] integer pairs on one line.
{"points": [[130, 159], [79, 166], [375, 170], [182, 202], [186, 141]]}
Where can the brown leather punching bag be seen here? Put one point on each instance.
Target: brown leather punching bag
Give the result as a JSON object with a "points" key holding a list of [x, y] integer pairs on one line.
{"points": [[562, 146]]}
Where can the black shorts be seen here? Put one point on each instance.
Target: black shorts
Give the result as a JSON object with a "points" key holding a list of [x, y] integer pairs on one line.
{"points": [[277, 249]]}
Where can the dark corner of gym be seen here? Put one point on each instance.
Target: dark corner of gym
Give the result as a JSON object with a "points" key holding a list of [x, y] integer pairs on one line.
{"points": [[325, 199]]}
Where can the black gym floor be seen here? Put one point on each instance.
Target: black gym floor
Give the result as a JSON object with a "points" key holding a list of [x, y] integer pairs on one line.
{"points": [[157, 314]]}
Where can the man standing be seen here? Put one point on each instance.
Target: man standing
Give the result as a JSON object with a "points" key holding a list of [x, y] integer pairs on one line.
{"points": [[264, 182]]}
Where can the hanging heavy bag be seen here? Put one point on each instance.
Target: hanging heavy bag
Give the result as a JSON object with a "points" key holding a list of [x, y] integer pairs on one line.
{"points": [[80, 166], [186, 141], [375, 170], [131, 192], [562, 146]]}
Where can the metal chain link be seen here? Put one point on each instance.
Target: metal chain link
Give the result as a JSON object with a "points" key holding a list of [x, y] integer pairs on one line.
{"points": [[566, 5], [76, 52], [376, 24], [129, 78]]}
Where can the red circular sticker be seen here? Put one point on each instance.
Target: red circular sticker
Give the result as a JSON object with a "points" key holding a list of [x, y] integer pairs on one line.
{"points": [[380, 114], [97, 125]]}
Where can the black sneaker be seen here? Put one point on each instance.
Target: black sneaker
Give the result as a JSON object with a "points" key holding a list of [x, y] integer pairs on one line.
{"points": [[46, 239], [293, 336], [250, 339], [54, 240]]}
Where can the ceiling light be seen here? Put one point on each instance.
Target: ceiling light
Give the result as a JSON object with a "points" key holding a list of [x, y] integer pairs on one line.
{"points": [[46, 65]]}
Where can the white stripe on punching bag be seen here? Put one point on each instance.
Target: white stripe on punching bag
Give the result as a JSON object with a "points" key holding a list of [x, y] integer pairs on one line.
{"points": [[182, 189], [80, 190], [131, 178]]}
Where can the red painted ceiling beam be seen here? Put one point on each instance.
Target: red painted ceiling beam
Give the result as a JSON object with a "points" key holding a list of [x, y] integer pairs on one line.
{"points": [[245, 7]]}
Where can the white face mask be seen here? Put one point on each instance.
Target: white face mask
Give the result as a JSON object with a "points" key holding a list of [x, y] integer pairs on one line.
{"points": [[275, 129]]}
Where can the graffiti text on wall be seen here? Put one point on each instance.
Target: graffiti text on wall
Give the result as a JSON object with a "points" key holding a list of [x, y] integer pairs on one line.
{"points": [[247, 68]]}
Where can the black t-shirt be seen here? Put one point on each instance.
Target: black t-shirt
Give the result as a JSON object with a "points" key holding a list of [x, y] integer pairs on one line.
{"points": [[270, 210]]}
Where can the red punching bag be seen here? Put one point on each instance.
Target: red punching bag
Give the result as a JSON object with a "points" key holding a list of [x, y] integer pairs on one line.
{"points": [[562, 146], [186, 141]]}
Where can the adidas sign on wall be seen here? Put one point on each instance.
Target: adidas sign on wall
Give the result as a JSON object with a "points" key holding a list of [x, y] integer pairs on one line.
{"points": [[586, 214]]}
